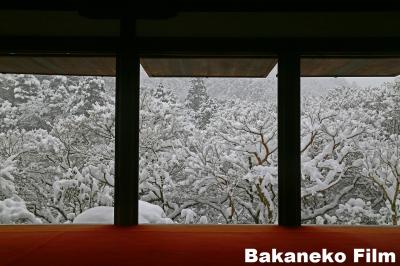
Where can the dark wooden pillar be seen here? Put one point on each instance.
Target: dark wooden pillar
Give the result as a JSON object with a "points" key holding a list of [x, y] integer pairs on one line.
{"points": [[289, 171], [127, 128]]}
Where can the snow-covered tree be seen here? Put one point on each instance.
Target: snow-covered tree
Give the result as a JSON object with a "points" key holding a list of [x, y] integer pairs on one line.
{"points": [[61, 139], [198, 102], [202, 160], [232, 166], [162, 133]]}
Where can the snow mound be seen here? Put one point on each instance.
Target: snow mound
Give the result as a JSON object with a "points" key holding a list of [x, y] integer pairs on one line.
{"points": [[96, 215], [148, 214], [14, 211], [152, 214]]}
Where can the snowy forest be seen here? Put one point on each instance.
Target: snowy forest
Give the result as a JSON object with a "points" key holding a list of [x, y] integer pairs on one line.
{"points": [[206, 155]]}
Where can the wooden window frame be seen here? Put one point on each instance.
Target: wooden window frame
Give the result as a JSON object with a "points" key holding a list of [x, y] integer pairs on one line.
{"points": [[128, 49]]}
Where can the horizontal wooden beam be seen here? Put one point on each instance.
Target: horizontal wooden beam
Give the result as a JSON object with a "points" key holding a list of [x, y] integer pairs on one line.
{"points": [[118, 9], [156, 47], [208, 67], [60, 65], [350, 67], [85, 46]]}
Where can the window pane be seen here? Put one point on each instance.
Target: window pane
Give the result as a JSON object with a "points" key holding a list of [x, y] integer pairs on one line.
{"points": [[350, 142], [56, 149], [208, 149]]}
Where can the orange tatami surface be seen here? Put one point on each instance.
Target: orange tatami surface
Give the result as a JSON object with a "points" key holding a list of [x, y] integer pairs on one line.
{"points": [[189, 245]]}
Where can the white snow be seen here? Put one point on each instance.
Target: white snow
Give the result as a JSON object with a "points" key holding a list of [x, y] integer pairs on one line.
{"points": [[152, 214], [148, 214], [13, 211], [96, 215], [189, 215]]}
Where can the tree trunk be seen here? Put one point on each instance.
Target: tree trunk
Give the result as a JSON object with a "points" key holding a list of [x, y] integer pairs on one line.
{"points": [[394, 213]]}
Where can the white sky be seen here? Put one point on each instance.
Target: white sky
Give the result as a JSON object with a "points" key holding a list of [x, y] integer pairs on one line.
{"points": [[370, 81]]}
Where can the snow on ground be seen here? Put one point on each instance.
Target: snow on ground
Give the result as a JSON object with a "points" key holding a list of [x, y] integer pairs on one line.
{"points": [[152, 214], [13, 211], [148, 214], [96, 215]]}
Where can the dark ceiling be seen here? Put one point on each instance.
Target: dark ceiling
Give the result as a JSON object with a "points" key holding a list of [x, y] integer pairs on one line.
{"points": [[204, 18], [189, 20]]}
